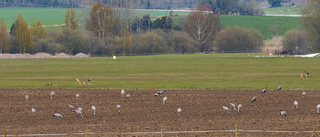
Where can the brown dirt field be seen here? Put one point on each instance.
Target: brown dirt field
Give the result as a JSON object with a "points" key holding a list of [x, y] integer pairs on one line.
{"points": [[201, 111]]}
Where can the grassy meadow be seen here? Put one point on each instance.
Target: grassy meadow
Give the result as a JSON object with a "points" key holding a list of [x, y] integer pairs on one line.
{"points": [[55, 16], [195, 71]]}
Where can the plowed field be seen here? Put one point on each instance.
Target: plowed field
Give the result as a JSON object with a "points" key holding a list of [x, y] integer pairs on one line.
{"points": [[143, 112]]}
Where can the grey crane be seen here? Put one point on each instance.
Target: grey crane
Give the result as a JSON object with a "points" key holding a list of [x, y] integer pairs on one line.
{"points": [[33, 112], [27, 98], [226, 109], [283, 113], [71, 107], [52, 94], [179, 111], [239, 107], [280, 87], [118, 107], [254, 99], [127, 97], [318, 107], [264, 90], [78, 112], [303, 94], [295, 103], [93, 109], [57, 115], [122, 93], [233, 106], [77, 97], [164, 100]]}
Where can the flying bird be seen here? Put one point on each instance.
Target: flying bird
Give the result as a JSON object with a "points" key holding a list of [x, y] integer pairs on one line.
{"points": [[280, 87], [33, 112], [52, 94], [295, 103], [239, 107], [179, 111], [122, 92]]}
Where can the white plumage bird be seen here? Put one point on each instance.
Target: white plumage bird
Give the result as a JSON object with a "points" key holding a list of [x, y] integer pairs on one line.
{"points": [[78, 112], [295, 103], [283, 113], [122, 93], [226, 109], [80, 109], [264, 90], [33, 112], [57, 115], [71, 107], [303, 94], [118, 107], [93, 109], [233, 106], [280, 87], [52, 94], [239, 107], [127, 96], [164, 100], [27, 98], [254, 99], [77, 97], [318, 107], [179, 111]]}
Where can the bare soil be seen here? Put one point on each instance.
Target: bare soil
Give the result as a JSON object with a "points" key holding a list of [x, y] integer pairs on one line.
{"points": [[143, 112]]}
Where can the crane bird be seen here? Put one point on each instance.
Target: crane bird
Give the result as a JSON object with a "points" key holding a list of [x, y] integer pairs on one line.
{"points": [[93, 109], [27, 98], [127, 96], [179, 111], [164, 100], [78, 112], [318, 107], [239, 107], [71, 107], [303, 94], [156, 94], [254, 99], [233, 106], [122, 93], [77, 97], [283, 113], [57, 115], [80, 109], [33, 112], [295, 103], [280, 87], [264, 90], [161, 92], [52, 94], [226, 109], [118, 107]]}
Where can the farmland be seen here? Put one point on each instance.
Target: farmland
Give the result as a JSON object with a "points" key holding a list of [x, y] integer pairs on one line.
{"points": [[55, 16], [144, 115], [196, 71]]}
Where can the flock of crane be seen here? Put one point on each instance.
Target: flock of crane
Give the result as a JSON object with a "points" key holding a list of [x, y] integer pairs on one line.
{"points": [[78, 111], [282, 113]]}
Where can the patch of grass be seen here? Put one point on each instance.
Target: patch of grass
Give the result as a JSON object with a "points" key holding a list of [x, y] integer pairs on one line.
{"points": [[262, 23], [286, 10], [196, 71]]}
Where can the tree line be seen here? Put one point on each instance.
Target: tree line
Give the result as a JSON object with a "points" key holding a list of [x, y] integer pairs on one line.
{"points": [[107, 33]]}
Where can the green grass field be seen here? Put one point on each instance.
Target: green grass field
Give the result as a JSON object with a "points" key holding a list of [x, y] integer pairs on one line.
{"points": [[195, 71], [286, 10]]}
